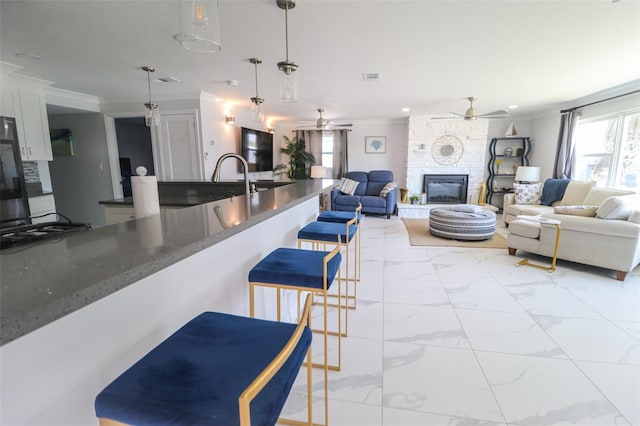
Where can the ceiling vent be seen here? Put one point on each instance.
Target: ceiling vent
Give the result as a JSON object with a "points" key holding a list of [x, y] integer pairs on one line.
{"points": [[166, 80], [371, 76]]}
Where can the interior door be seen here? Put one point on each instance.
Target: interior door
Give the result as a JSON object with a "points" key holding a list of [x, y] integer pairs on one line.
{"points": [[180, 156]]}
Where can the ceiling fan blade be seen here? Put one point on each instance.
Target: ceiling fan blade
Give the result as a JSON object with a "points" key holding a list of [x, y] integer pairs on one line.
{"points": [[343, 125], [495, 114]]}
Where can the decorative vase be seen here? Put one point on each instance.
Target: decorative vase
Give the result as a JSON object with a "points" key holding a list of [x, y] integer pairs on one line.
{"points": [[404, 195], [508, 151], [482, 194]]}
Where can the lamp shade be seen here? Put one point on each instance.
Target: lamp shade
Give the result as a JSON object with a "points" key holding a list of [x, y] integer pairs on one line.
{"points": [[528, 174], [318, 172]]}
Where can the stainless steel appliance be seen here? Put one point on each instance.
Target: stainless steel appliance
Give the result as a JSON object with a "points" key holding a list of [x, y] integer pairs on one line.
{"points": [[14, 204], [26, 234]]}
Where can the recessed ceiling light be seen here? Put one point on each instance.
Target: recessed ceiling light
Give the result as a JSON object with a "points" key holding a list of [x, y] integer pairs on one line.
{"points": [[28, 55], [406, 109], [513, 106]]}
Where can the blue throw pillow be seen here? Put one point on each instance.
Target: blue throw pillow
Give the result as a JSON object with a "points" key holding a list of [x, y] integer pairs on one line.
{"points": [[553, 190]]}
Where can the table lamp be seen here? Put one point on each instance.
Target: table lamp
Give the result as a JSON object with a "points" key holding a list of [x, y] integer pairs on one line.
{"points": [[528, 174], [318, 172]]}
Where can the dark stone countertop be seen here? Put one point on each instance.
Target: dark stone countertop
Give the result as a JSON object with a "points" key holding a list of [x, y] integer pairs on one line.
{"points": [[42, 282]]}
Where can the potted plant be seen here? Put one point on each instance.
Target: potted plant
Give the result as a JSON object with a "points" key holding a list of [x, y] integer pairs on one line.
{"points": [[414, 199], [299, 159]]}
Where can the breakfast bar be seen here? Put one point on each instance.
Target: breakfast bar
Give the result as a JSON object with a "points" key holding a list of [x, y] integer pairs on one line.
{"points": [[79, 310]]}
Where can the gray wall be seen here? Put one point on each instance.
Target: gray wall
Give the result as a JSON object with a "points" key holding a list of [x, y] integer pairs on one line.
{"points": [[80, 181]]}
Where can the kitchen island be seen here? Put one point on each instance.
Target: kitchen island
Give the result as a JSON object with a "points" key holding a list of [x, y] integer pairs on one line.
{"points": [[78, 311]]}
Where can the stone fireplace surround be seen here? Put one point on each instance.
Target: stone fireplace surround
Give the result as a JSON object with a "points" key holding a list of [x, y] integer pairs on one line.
{"points": [[423, 132]]}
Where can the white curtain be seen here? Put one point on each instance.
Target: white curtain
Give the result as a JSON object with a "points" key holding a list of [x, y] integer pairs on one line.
{"points": [[565, 154]]}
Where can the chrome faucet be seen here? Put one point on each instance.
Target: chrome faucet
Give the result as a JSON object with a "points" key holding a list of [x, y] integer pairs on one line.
{"points": [[245, 169]]}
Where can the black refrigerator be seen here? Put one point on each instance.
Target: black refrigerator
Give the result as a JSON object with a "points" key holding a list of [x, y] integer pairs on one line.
{"points": [[14, 203]]}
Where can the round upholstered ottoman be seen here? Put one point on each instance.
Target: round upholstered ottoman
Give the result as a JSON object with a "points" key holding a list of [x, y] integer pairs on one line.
{"points": [[462, 222]]}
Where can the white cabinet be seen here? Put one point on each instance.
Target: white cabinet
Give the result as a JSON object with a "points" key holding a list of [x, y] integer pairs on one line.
{"points": [[35, 143], [117, 214], [41, 205], [23, 98]]}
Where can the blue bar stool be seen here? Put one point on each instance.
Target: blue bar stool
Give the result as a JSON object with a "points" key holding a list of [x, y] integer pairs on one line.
{"points": [[216, 369], [302, 271], [338, 216], [333, 233]]}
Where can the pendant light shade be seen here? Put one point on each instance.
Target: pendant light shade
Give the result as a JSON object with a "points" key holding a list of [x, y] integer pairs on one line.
{"points": [[257, 108], [152, 111], [288, 80], [199, 26]]}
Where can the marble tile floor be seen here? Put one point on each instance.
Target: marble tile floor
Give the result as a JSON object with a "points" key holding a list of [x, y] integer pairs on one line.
{"points": [[462, 336]]}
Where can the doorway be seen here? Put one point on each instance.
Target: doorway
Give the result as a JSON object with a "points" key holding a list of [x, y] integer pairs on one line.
{"points": [[134, 149]]}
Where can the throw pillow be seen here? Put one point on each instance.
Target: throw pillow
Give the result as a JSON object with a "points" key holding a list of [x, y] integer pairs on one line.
{"points": [[527, 193], [597, 196], [576, 192], [586, 211], [635, 217], [387, 188], [616, 208], [348, 186]]}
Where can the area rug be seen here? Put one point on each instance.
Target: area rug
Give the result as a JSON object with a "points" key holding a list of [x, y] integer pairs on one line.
{"points": [[419, 236]]}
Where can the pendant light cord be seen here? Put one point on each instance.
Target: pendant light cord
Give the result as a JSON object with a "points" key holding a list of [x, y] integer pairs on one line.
{"points": [[255, 65], [149, 83], [286, 29]]}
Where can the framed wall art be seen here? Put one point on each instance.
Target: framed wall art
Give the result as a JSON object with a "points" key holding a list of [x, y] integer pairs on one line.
{"points": [[61, 142], [375, 144]]}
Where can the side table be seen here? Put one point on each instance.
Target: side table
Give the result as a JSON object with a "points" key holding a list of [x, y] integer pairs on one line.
{"points": [[543, 221]]}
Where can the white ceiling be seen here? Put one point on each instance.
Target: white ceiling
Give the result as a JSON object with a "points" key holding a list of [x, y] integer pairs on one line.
{"points": [[431, 54]]}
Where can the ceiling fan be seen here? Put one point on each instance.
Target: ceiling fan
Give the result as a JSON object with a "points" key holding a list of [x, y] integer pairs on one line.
{"points": [[471, 114], [324, 124]]}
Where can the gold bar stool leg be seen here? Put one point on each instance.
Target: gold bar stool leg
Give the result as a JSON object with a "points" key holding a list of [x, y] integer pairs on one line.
{"points": [[333, 239], [309, 271], [354, 218]]}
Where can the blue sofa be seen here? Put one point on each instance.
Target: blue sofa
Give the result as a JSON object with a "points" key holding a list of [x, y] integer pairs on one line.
{"points": [[367, 193]]}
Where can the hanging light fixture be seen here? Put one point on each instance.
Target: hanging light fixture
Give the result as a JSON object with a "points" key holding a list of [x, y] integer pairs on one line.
{"points": [[152, 115], [258, 111], [288, 81], [199, 26]]}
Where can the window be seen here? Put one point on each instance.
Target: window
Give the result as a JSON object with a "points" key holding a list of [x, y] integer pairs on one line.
{"points": [[327, 152], [607, 150]]}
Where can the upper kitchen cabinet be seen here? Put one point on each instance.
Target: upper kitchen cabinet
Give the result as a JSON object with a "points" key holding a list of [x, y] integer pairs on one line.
{"points": [[23, 98]]}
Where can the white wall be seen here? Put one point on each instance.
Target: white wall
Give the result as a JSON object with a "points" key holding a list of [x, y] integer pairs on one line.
{"points": [[395, 157], [82, 180], [219, 138], [544, 142]]}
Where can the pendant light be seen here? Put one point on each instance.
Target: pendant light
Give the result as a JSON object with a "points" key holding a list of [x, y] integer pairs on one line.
{"points": [[199, 26], [288, 81], [258, 111], [152, 115]]}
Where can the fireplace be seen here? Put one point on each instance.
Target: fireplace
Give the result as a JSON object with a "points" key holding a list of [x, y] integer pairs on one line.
{"points": [[446, 189]]}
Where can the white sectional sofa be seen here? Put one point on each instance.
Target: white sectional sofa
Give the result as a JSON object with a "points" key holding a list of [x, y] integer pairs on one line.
{"points": [[599, 227]]}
